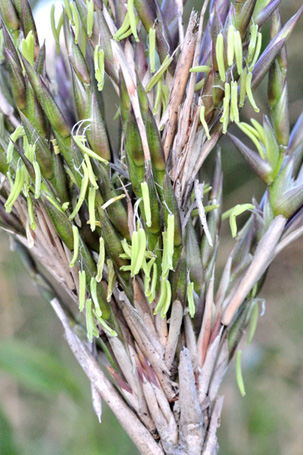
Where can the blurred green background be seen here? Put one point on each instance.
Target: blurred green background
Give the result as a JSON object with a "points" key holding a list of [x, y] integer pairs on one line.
{"points": [[45, 404]]}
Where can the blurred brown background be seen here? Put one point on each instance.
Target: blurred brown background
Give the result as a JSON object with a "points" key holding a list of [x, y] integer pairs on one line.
{"points": [[45, 405]]}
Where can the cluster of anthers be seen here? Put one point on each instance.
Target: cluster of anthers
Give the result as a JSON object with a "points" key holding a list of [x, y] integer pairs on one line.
{"points": [[229, 52]]}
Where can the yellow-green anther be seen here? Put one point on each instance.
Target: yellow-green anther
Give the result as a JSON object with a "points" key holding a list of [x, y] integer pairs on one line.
{"points": [[30, 210], [244, 127], [238, 372], [243, 76], [71, 176], [158, 96], [91, 328], [26, 185], [152, 46], [65, 206], [31, 152], [125, 268], [28, 48], [203, 121], [76, 21], [149, 255], [237, 210], [151, 297], [233, 213], [252, 42], [111, 279], [101, 259], [252, 130], [168, 247], [219, 53], [226, 100], [169, 254], [134, 252], [147, 283], [233, 225], [53, 26], [238, 51], [142, 244], [91, 204], [165, 263], [230, 45], [99, 66], [128, 32], [85, 150], [257, 52], [249, 92], [90, 17], [167, 301], [92, 176], [199, 84], [162, 295], [132, 19], [104, 325], [16, 189], [82, 193], [234, 110], [253, 322], [200, 69], [82, 289], [56, 30], [225, 116], [26, 148], [53, 202], [60, 24], [93, 291], [165, 97], [101, 70], [170, 235], [208, 208], [68, 11], [10, 180], [159, 74], [259, 129], [37, 179], [112, 200], [146, 202], [55, 146], [147, 271], [17, 134], [29, 149], [207, 189], [124, 27], [9, 152], [75, 245], [127, 249], [190, 289]]}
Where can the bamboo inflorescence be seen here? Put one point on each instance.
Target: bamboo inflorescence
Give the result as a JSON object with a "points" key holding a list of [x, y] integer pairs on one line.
{"points": [[127, 227]]}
